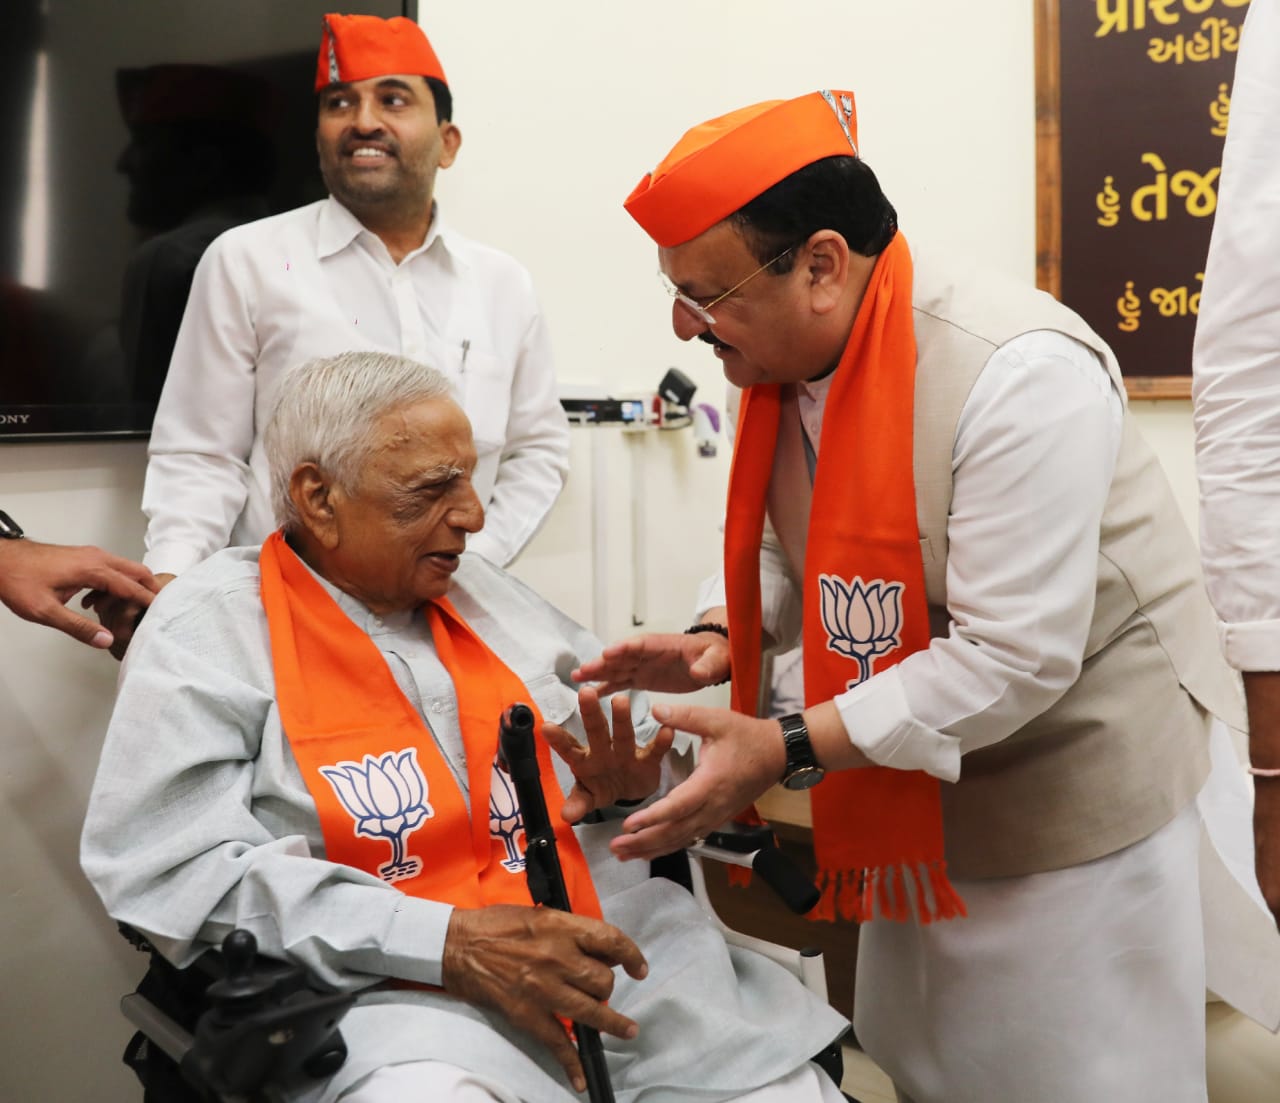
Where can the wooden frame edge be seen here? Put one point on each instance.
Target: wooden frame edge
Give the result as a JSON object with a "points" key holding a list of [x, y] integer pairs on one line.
{"points": [[1048, 148], [1157, 386]]}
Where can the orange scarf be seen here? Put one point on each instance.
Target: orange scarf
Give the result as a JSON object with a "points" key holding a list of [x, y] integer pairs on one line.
{"points": [[864, 598], [372, 766]]}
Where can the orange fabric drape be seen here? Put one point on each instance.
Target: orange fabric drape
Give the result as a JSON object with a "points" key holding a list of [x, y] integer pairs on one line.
{"points": [[377, 776], [863, 593]]}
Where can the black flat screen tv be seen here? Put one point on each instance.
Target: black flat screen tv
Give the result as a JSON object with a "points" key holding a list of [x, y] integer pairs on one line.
{"points": [[134, 133]]}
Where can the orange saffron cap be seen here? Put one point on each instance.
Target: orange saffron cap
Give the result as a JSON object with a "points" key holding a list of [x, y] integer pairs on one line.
{"points": [[724, 163], [358, 47]]}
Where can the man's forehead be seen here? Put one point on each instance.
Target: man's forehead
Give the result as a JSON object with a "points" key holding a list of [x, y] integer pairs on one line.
{"points": [[429, 433], [407, 81], [713, 255]]}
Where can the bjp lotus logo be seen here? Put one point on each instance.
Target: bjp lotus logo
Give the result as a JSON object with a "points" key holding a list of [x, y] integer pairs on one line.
{"points": [[505, 821], [387, 797], [861, 620]]}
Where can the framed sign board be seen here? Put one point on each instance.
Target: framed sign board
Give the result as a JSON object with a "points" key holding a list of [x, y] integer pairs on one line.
{"points": [[1132, 99]]}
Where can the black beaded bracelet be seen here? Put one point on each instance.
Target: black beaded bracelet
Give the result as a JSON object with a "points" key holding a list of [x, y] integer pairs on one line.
{"points": [[719, 630]]}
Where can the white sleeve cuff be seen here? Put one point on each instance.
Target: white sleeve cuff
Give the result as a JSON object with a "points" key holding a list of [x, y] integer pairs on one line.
{"points": [[414, 947], [171, 558], [1251, 645], [711, 595], [879, 723]]}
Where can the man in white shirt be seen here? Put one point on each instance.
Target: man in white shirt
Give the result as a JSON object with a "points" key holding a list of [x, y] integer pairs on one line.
{"points": [[1236, 392], [1009, 662], [372, 267]]}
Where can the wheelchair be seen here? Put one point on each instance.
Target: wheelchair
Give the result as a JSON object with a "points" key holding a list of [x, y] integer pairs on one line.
{"points": [[234, 1026]]}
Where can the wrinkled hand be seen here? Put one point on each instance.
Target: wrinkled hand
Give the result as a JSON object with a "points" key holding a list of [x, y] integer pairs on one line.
{"points": [[1266, 840], [37, 580], [532, 964], [739, 759], [610, 767], [120, 612], [666, 663]]}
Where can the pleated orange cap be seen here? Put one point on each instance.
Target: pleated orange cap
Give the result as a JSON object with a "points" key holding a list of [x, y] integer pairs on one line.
{"points": [[357, 47], [722, 165]]}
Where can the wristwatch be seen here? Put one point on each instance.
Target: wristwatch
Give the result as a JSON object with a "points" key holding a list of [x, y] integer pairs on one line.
{"points": [[9, 528], [803, 771]]}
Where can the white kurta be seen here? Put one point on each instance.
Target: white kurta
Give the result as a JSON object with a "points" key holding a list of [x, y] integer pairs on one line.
{"points": [[1020, 1000], [314, 282], [1236, 364], [1236, 406], [1034, 454], [1074, 986], [199, 822]]}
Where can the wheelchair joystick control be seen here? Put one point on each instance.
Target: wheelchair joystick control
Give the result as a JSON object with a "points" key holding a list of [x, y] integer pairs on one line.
{"points": [[242, 983]]}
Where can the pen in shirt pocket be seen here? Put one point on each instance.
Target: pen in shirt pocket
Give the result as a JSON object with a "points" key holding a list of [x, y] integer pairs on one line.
{"points": [[466, 348]]}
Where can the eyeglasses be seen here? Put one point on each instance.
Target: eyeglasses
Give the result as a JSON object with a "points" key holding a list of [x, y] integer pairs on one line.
{"points": [[702, 311]]}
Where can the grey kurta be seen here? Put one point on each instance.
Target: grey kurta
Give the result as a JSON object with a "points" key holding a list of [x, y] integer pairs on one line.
{"points": [[200, 822]]}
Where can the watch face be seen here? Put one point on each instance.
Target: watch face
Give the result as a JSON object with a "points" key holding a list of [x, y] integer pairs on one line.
{"points": [[805, 778]]}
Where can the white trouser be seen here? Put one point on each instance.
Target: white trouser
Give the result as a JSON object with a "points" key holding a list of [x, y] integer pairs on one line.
{"points": [[1071, 986], [437, 1082]]}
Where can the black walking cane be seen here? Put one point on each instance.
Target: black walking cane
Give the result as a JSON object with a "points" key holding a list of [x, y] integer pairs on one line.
{"points": [[542, 866]]}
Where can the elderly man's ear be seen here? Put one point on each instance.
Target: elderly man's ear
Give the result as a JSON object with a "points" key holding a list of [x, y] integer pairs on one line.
{"points": [[311, 492]]}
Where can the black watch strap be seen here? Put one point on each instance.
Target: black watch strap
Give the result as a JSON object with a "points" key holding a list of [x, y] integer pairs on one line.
{"points": [[802, 769], [9, 528]]}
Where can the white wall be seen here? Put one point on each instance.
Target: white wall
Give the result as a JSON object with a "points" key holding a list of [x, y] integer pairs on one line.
{"points": [[563, 105]]}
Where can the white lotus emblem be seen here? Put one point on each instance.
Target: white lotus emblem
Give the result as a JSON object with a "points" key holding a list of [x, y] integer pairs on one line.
{"points": [[861, 619]]}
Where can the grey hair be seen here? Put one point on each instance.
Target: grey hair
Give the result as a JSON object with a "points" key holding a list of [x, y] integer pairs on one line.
{"points": [[325, 413]]}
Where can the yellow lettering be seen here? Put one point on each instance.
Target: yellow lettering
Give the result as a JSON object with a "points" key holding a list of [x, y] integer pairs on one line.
{"points": [[1108, 201], [1129, 307], [1220, 112], [1159, 191], [1201, 193], [1161, 50], [1113, 15], [1172, 302]]}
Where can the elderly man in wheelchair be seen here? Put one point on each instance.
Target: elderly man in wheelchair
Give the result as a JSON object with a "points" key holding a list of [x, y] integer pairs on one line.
{"points": [[304, 747]]}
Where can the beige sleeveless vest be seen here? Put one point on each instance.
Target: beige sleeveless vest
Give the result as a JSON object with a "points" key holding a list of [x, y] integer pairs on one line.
{"points": [[1126, 747]]}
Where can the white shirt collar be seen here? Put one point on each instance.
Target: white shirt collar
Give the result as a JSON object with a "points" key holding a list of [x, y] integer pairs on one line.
{"points": [[338, 228], [816, 390]]}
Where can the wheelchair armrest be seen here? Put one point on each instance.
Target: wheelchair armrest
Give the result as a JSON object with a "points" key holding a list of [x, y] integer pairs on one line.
{"points": [[754, 846]]}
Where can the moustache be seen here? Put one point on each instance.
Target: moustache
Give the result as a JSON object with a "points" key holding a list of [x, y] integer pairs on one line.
{"points": [[709, 338]]}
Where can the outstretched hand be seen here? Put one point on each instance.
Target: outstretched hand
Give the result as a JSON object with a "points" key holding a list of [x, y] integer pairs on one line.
{"points": [[37, 580], [533, 964], [610, 767], [740, 758], [667, 663]]}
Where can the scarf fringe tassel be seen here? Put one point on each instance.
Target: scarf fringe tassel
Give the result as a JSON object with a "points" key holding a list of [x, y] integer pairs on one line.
{"points": [[888, 892]]}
